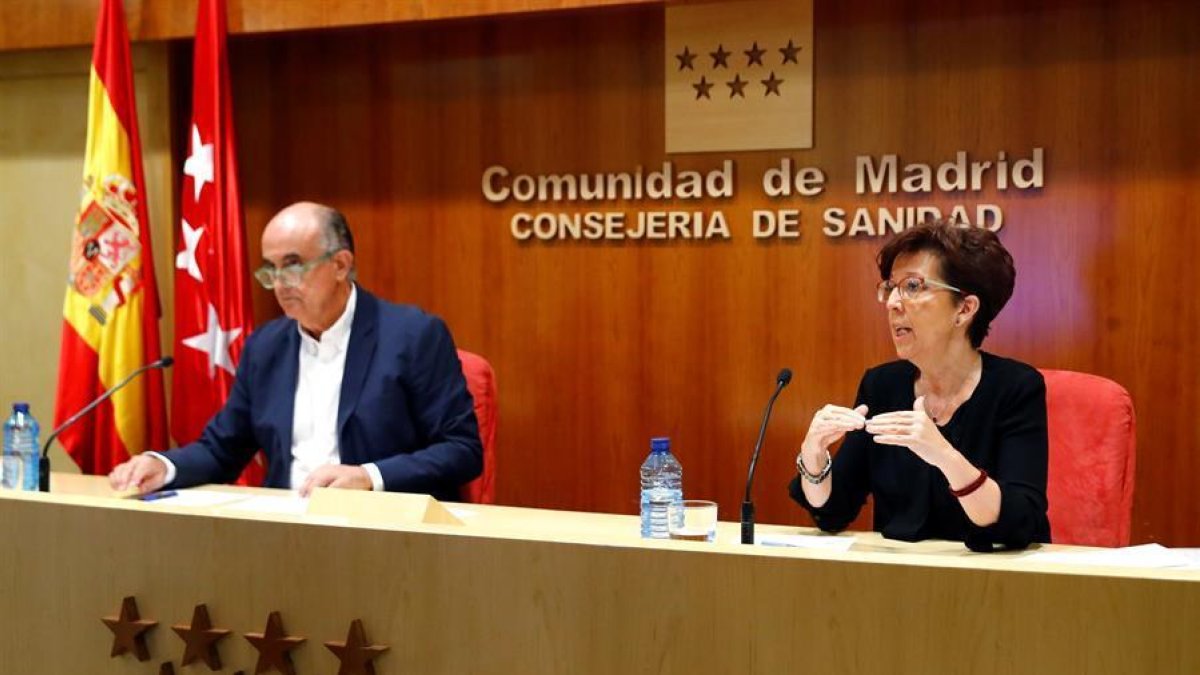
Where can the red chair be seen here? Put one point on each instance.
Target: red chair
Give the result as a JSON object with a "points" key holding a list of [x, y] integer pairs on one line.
{"points": [[1092, 451], [481, 382]]}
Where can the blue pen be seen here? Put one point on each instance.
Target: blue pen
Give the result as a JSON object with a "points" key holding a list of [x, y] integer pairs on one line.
{"points": [[153, 496]]}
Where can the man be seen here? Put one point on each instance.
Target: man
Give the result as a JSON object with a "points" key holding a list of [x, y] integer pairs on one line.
{"points": [[347, 391]]}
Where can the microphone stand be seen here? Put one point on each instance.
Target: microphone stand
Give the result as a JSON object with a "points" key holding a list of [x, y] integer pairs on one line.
{"points": [[785, 376], [44, 462]]}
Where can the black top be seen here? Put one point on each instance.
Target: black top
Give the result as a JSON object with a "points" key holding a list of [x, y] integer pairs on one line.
{"points": [[1001, 428]]}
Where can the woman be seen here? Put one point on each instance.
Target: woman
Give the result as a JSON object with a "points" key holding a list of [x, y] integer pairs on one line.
{"points": [[950, 440]]}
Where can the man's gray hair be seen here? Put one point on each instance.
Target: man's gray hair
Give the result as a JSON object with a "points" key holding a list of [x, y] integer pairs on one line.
{"points": [[336, 234]]}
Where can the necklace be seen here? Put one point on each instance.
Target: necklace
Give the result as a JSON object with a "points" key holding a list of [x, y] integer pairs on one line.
{"points": [[936, 417]]}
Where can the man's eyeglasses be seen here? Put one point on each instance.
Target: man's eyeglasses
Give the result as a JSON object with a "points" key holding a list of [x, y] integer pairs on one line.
{"points": [[910, 287], [288, 276]]}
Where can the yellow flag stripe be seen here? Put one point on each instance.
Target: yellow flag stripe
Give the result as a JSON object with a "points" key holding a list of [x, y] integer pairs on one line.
{"points": [[119, 341]]}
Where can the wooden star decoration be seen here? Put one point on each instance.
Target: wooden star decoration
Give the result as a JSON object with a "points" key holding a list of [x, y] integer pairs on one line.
{"points": [[754, 54], [702, 88], [273, 645], [200, 639], [355, 654], [772, 85], [685, 59], [129, 631], [789, 52]]}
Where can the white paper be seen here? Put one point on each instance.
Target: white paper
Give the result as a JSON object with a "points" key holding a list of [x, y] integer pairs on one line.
{"points": [[1192, 554], [1144, 556], [291, 505], [805, 541]]}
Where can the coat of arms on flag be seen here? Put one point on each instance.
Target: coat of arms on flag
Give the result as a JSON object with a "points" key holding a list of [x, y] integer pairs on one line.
{"points": [[739, 75], [106, 244]]}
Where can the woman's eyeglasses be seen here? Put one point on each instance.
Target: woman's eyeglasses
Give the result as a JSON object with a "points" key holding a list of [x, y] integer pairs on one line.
{"points": [[910, 287]]}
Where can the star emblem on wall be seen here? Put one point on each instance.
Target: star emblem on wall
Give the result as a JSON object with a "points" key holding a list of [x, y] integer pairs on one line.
{"points": [[129, 631], [754, 55], [200, 639], [685, 59], [720, 57], [356, 655], [273, 645], [736, 86], [772, 85], [790, 51], [702, 88]]}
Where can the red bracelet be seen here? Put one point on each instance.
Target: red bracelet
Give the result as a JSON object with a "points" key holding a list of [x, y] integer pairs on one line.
{"points": [[973, 486]]}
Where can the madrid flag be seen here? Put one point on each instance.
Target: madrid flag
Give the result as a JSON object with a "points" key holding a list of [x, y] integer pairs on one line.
{"points": [[110, 315], [213, 315]]}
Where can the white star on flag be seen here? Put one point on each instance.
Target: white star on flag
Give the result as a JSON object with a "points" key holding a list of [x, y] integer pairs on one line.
{"points": [[215, 342], [186, 259], [200, 164]]}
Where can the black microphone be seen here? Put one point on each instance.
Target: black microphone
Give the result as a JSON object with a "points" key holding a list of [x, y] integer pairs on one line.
{"points": [[44, 463], [782, 380]]}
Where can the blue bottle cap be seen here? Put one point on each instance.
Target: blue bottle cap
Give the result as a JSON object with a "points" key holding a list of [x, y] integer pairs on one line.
{"points": [[660, 444], [21, 407]]}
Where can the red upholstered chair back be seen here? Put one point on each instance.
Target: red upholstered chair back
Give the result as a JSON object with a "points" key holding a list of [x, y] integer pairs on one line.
{"points": [[1092, 452], [481, 382]]}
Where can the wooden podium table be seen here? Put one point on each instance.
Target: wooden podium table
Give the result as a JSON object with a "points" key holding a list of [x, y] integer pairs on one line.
{"points": [[486, 589]]}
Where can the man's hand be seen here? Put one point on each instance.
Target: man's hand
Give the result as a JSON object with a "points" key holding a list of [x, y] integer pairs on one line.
{"points": [[337, 476], [143, 473]]}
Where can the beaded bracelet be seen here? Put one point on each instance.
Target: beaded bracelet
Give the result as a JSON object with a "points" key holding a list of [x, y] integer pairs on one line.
{"points": [[819, 477]]}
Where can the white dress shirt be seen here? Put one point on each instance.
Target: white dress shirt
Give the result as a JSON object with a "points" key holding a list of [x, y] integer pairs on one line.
{"points": [[318, 392]]}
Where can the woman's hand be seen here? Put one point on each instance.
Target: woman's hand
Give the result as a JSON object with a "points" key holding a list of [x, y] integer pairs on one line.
{"points": [[828, 426], [912, 429]]}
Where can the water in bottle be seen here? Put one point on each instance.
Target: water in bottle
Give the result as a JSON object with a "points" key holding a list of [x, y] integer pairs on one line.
{"points": [[19, 469], [662, 484]]}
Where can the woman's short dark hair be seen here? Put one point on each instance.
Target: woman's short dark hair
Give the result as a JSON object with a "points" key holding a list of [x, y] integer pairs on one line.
{"points": [[971, 258]]}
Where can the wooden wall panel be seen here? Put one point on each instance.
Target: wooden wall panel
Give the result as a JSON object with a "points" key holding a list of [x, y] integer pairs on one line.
{"points": [[600, 346], [29, 24]]}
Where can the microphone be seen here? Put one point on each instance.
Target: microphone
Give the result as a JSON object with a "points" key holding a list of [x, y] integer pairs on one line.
{"points": [[44, 462], [782, 380]]}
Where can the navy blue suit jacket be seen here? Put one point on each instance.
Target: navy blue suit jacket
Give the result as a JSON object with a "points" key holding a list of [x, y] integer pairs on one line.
{"points": [[404, 406]]}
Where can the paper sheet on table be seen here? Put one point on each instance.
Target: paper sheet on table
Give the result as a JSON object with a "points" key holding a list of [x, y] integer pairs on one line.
{"points": [[198, 498], [1144, 556], [1193, 556], [293, 505], [805, 541]]}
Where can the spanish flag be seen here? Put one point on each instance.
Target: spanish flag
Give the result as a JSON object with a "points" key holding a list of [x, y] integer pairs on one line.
{"points": [[110, 315]]}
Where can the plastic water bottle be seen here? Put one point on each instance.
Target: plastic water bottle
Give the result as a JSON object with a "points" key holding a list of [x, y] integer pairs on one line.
{"points": [[20, 459], [662, 484]]}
